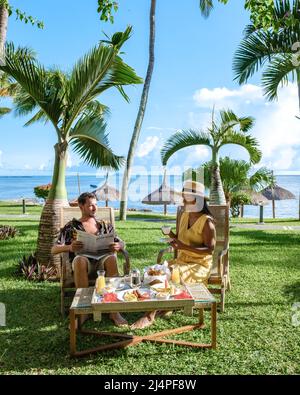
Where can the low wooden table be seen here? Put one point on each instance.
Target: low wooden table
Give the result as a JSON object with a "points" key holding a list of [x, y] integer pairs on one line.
{"points": [[82, 304]]}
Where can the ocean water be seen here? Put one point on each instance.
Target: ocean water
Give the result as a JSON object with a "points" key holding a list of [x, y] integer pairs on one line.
{"points": [[18, 187]]}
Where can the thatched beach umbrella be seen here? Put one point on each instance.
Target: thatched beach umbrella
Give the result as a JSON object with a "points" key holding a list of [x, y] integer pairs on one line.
{"points": [[258, 199], [164, 195], [107, 193], [277, 193]]}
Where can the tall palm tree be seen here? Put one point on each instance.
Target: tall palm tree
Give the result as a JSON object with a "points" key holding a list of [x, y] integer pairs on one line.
{"points": [[140, 116], [69, 102], [205, 8], [230, 129], [274, 48]]}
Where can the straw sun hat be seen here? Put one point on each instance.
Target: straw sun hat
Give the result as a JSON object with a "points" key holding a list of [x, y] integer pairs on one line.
{"points": [[194, 188]]}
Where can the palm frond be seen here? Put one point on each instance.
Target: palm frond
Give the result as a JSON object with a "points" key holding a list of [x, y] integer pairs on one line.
{"points": [[4, 111], [246, 141], [206, 6], [119, 75], [99, 70], [261, 179], [90, 140], [24, 104], [34, 79], [255, 50], [182, 140], [40, 116], [277, 74], [229, 120]]}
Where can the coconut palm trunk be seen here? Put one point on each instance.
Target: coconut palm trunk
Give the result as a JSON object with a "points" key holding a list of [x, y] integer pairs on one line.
{"points": [[217, 195], [3, 27], [140, 116], [50, 217]]}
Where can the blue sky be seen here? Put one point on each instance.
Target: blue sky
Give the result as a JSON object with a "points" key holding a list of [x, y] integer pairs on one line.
{"points": [[193, 72]]}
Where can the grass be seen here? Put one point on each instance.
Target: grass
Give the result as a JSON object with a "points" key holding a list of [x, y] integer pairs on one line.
{"points": [[255, 334]]}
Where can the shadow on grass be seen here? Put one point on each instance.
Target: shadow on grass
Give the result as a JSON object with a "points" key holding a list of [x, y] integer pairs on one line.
{"points": [[292, 291]]}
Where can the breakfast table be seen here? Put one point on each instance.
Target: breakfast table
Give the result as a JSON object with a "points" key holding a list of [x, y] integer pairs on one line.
{"points": [[195, 296]]}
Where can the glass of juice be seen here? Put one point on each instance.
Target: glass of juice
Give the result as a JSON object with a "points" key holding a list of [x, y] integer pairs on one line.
{"points": [[175, 276], [100, 282]]}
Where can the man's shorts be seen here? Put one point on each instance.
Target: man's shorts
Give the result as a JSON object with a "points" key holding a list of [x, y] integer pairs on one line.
{"points": [[94, 264]]}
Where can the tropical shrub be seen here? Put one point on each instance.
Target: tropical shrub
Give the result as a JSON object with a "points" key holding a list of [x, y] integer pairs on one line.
{"points": [[42, 191]]}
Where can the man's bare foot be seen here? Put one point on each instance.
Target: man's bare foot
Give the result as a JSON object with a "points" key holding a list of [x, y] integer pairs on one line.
{"points": [[144, 322], [118, 320]]}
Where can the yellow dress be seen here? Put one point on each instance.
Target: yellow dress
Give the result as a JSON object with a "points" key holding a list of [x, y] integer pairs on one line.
{"points": [[193, 267]]}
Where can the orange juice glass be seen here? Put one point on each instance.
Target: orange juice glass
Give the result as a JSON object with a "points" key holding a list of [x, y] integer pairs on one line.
{"points": [[100, 283], [175, 277]]}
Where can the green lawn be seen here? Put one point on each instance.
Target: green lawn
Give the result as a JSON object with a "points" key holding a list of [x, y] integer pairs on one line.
{"points": [[255, 334], [9, 208]]}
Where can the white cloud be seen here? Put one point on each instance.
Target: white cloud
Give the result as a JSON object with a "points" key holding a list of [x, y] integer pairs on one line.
{"points": [[73, 161], [42, 166], [277, 127], [1, 164], [161, 129], [284, 159], [145, 148], [27, 167], [199, 120], [227, 98], [196, 156]]}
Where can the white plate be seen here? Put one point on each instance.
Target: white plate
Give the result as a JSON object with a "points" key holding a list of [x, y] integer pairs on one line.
{"points": [[120, 294]]}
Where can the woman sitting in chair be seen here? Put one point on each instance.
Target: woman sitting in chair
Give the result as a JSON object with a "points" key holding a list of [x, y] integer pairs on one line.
{"points": [[194, 241]]}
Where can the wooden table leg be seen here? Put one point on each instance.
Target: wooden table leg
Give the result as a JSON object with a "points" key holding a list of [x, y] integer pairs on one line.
{"points": [[72, 332], [201, 316], [214, 325]]}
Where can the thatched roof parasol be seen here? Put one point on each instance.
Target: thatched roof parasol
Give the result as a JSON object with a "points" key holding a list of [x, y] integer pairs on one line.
{"points": [[257, 198], [164, 195], [107, 193], [277, 193]]}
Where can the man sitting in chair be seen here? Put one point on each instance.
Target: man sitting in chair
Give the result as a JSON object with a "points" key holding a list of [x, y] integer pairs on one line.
{"points": [[82, 266]]}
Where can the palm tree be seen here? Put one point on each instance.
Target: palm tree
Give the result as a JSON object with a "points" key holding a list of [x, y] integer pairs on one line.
{"points": [[229, 130], [69, 102], [205, 8], [238, 179], [236, 176], [140, 116], [273, 47]]}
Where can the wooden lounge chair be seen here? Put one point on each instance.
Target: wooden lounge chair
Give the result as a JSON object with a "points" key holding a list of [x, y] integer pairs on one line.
{"points": [[66, 273], [219, 280]]}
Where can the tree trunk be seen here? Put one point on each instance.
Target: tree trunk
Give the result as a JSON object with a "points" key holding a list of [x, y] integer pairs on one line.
{"points": [[217, 195], [50, 217], [140, 116], [3, 29]]}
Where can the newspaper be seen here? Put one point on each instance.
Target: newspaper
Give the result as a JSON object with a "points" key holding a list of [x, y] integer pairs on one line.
{"points": [[94, 246]]}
